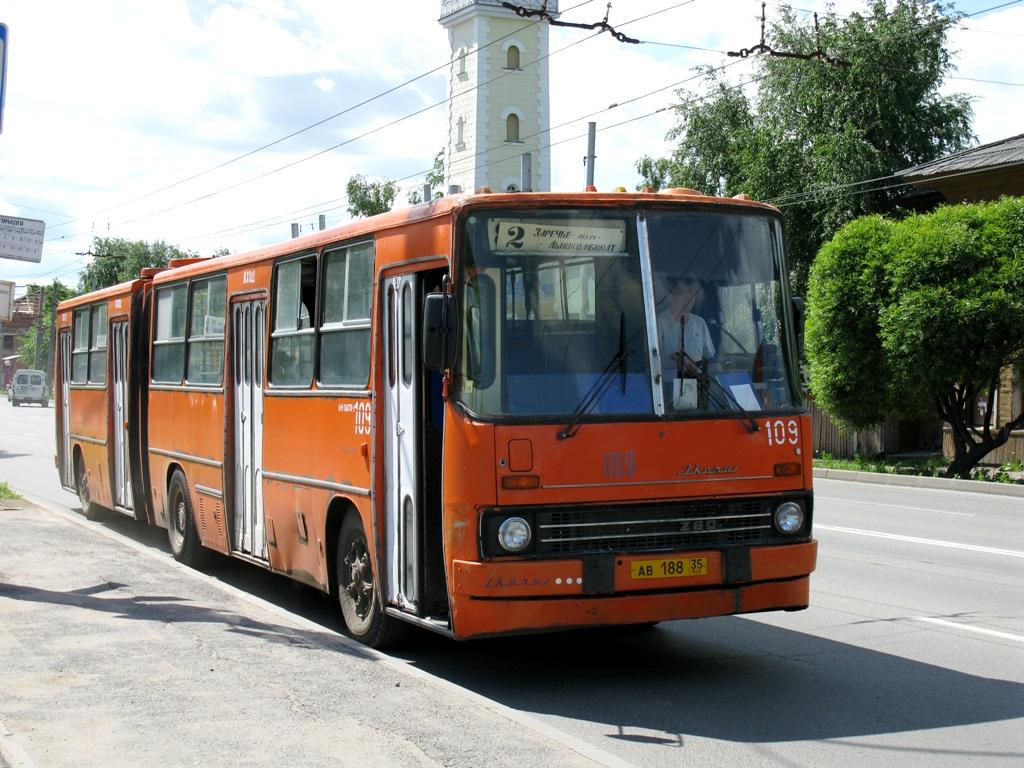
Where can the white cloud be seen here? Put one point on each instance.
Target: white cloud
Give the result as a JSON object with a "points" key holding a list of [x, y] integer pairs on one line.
{"points": [[325, 84]]}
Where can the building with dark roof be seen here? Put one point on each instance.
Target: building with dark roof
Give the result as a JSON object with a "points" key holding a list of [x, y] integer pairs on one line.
{"points": [[972, 175]]}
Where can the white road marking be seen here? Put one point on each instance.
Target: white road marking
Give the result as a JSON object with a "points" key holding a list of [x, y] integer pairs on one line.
{"points": [[971, 628], [583, 748], [916, 540], [893, 506]]}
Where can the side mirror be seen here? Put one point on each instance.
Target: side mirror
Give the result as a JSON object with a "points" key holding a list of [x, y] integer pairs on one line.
{"points": [[440, 331], [799, 310]]}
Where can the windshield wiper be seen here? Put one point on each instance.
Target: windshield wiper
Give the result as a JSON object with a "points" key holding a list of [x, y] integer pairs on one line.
{"points": [[618, 364], [706, 378]]}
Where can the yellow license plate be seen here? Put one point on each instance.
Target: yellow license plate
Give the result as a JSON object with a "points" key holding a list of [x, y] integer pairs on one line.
{"points": [[668, 568]]}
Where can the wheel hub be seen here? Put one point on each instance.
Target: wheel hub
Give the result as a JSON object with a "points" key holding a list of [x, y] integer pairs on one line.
{"points": [[360, 579]]}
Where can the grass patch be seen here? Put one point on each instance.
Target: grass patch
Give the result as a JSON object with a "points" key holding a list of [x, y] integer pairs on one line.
{"points": [[6, 492], [933, 466]]}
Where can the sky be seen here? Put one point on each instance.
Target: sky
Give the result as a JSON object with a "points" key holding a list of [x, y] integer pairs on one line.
{"points": [[151, 120]]}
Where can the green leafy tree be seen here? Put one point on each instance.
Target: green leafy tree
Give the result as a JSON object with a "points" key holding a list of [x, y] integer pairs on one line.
{"points": [[919, 317], [811, 125], [434, 177], [368, 198], [56, 292], [116, 260]]}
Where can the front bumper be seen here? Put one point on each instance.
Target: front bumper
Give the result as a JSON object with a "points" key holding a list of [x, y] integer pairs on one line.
{"points": [[500, 597]]}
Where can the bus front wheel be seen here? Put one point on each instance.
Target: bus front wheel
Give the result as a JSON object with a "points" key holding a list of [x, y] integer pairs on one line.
{"points": [[181, 526], [357, 594]]}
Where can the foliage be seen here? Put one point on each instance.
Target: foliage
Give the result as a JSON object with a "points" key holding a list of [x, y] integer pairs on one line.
{"points": [[6, 492], [116, 260], [55, 293], [368, 198], [932, 466], [920, 316], [812, 125], [434, 177]]}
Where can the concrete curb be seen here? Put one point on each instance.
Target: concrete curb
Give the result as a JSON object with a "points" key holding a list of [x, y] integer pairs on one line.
{"points": [[915, 481]]}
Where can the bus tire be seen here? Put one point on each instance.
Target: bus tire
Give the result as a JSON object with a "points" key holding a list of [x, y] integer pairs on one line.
{"points": [[90, 509], [181, 525], [358, 597]]}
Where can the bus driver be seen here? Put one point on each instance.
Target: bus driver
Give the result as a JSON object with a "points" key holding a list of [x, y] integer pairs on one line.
{"points": [[676, 321]]}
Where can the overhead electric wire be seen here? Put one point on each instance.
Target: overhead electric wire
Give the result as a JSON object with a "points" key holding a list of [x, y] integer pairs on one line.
{"points": [[980, 80], [981, 11], [373, 130], [845, 191], [377, 128], [318, 123]]}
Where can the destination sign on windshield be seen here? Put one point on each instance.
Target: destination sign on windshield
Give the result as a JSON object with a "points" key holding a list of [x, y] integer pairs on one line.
{"points": [[558, 238]]}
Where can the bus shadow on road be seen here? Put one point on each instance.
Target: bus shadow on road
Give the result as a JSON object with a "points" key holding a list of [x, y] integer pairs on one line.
{"points": [[730, 679], [173, 609]]}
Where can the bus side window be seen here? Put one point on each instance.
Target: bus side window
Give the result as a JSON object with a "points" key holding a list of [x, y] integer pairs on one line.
{"points": [[98, 345], [169, 344], [291, 344], [206, 331], [345, 327], [80, 353]]}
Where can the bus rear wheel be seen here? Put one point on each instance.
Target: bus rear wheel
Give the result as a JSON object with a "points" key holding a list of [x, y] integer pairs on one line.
{"points": [[360, 603], [90, 510], [181, 526]]}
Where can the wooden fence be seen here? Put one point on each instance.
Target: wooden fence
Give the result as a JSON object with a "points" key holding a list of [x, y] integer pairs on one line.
{"points": [[894, 436]]}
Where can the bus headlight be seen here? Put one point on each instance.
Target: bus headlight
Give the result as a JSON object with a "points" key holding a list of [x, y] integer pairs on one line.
{"points": [[789, 517], [514, 534]]}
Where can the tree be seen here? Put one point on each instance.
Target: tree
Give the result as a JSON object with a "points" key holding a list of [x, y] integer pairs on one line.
{"points": [[920, 317], [56, 292], [434, 177], [116, 260], [812, 125], [368, 198]]}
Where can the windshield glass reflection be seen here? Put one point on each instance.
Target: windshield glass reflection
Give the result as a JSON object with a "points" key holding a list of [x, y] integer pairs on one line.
{"points": [[555, 319]]}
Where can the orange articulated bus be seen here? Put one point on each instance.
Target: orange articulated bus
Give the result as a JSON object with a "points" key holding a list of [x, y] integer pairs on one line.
{"points": [[487, 414]]}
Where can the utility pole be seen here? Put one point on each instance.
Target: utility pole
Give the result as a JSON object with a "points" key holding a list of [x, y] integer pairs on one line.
{"points": [[40, 310], [591, 145], [51, 357]]}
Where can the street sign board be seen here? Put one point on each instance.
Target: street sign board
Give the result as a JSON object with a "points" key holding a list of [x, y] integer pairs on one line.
{"points": [[3, 72], [6, 301], [21, 239]]}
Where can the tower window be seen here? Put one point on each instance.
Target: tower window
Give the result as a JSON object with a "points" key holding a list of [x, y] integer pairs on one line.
{"points": [[512, 57], [512, 127], [460, 134]]}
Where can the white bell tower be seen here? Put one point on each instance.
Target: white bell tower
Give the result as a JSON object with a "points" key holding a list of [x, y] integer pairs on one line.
{"points": [[498, 95]]}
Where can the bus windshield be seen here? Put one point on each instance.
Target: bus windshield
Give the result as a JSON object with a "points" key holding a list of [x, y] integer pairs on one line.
{"points": [[611, 312]]}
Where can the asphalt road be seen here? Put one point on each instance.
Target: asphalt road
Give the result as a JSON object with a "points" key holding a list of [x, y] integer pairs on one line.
{"points": [[912, 652]]}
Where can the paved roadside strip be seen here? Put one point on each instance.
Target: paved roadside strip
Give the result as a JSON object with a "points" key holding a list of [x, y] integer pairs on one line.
{"points": [[113, 654], [916, 481]]}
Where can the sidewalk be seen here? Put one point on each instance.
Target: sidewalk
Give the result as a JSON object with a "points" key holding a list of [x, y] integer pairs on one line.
{"points": [[115, 655], [917, 481]]}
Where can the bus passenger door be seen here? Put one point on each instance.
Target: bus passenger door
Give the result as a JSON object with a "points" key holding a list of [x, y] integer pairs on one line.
{"points": [[119, 351], [67, 473], [402, 440], [247, 330]]}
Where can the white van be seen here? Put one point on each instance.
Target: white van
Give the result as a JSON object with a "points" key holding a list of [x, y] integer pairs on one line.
{"points": [[29, 387]]}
